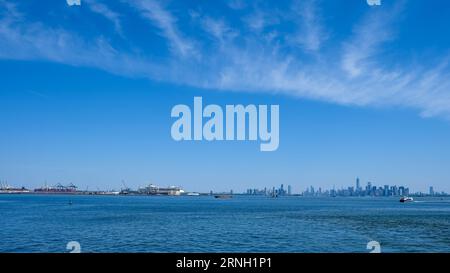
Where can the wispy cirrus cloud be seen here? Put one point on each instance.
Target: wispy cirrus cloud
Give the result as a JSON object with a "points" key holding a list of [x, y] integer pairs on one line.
{"points": [[166, 22], [105, 11], [24, 40], [253, 55], [218, 29], [368, 37], [311, 32], [258, 20]]}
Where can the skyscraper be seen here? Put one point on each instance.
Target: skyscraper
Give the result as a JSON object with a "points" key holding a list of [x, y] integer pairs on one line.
{"points": [[431, 190], [402, 191], [369, 188], [289, 190], [357, 184]]}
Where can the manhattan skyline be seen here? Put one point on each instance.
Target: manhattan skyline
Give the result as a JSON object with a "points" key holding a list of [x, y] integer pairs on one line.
{"points": [[87, 92]]}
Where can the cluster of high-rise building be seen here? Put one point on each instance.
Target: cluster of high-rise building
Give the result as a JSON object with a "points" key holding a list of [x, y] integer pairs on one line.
{"points": [[359, 190], [281, 191], [369, 190]]}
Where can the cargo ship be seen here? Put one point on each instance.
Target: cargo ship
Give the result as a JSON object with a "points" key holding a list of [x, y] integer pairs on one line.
{"points": [[58, 189], [156, 190]]}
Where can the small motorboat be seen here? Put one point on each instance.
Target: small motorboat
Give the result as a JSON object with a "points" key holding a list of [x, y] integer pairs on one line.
{"points": [[223, 196], [406, 199], [193, 194]]}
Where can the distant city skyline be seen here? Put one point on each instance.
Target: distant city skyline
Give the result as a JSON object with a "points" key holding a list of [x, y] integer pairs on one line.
{"points": [[87, 92], [371, 189]]}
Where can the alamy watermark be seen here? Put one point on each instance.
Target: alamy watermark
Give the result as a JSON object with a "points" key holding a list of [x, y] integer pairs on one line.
{"points": [[374, 246], [73, 2], [374, 2], [229, 125], [74, 247]]}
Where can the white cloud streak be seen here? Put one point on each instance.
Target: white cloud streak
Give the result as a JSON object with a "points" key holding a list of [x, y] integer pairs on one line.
{"points": [[153, 11], [35, 41], [368, 37], [105, 11], [241, 61], [312, 33]]}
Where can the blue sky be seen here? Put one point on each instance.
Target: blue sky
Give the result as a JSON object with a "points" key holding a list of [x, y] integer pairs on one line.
{"points": [[87, 91]]}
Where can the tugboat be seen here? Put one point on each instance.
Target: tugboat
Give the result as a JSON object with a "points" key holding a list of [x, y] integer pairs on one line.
{"points": [[405, 199]]}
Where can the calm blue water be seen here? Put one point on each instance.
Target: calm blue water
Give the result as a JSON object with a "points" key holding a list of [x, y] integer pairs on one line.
{"points": [[30, 223]]}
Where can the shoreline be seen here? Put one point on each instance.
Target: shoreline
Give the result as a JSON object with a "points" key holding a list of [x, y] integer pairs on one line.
{"points": [[212, 195]]}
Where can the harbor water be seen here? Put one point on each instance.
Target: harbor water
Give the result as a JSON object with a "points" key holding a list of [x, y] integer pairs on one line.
{"points": [[46, 223]]}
